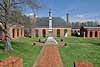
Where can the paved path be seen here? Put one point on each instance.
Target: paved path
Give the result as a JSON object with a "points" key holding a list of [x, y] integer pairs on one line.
{"points": [[49, 57]]}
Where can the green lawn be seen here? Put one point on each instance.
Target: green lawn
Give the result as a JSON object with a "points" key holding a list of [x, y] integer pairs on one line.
{"points": [[24, 49], [81, 49], [87, 49]]}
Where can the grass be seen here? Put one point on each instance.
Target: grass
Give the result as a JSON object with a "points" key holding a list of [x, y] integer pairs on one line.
{"points": [[78, 49], [23, 49], [80, 40], [83, 49]]}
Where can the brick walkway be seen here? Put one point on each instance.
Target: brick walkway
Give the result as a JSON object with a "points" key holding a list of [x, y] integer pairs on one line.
{"points": [[49, 57]]}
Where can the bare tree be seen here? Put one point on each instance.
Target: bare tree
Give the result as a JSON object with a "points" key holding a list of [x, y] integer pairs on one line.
{"points": [[5, 8]]}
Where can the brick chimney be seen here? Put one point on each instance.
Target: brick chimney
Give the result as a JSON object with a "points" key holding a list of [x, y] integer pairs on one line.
{"points": [[34, 19], [68, 20]]}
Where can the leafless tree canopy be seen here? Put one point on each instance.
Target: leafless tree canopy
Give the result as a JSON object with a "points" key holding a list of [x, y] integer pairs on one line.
{"points": [[6, 7]]}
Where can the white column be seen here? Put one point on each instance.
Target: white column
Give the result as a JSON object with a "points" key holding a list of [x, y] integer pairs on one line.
{"points": [[50, 22]]}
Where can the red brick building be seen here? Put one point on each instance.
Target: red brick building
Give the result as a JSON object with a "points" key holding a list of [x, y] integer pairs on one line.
{"points": [[51, 26], [90, 31], [14, 31], [59, 27]]}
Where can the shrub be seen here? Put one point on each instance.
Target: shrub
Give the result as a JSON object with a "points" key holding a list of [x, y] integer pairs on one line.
{"points": [[65, 44], [39, 40], [33, 44], [61, 40]]}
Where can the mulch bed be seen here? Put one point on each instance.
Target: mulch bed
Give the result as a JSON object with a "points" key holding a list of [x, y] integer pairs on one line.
{"points": [[83, 64]]}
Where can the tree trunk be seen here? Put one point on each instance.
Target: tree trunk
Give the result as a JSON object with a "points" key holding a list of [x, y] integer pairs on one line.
{"points": [[8, 46]]}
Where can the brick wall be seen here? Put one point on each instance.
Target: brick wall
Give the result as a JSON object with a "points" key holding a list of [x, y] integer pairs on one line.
{"points": [[82, 64], [54, 33], [11, 62], [18, 32], [93, 33], [13, 31], [88, 34], [3, 36], [69, 32]]}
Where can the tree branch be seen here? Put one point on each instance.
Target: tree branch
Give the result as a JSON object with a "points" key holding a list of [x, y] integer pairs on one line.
{"points": [[17, 3], [2, 6], [3, 23], [5, 4]]}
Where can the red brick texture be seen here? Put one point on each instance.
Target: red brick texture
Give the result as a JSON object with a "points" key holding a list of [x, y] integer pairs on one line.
{"points": [[83, 64], [11, 62], [90, 33], [54, 33], [3, 36], [14, 32], [93, 33], [49, 58]]}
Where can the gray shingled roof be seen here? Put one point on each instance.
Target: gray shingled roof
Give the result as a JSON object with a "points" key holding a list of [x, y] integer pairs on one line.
{"points": [[92, 27], [44, 22]]}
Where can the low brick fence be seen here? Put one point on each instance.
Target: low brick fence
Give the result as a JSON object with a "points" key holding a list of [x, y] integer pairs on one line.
{"points": [[11, 62], [83, 64]]}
